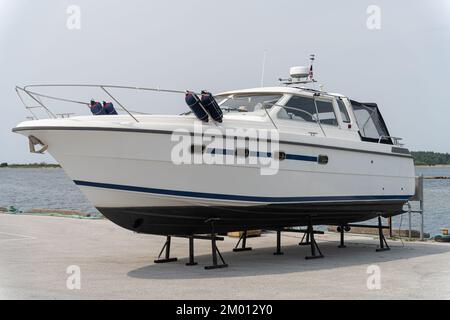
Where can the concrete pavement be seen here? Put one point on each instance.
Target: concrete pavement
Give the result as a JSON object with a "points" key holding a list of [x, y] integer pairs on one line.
{"points": [[36, 252]]}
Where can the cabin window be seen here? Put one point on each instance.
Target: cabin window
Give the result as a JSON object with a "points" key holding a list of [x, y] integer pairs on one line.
{"points": [[326, 113], [343, 110], [370, 122], [304, 109], [249, 102]]}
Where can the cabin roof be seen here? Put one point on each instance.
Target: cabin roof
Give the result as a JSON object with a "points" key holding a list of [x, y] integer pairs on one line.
{"points": [[281, 90]]}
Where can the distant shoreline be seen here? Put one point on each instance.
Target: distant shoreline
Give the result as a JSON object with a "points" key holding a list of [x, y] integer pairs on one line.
{"points": [[433, 166], [29, 166]]}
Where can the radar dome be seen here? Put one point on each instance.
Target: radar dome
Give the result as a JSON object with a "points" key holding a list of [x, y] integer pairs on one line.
{"points": [[299, 72]]}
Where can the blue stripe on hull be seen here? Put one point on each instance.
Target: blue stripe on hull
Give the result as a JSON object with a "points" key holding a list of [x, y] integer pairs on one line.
{"points": [[258, 154], [215, 196]]}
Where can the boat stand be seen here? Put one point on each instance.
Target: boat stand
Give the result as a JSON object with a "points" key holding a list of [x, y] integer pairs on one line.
{"points": [[215, 250], [342, 229], [313, 243], [166, 248], [191, 253], [278, 252], [305, 237], [383, 243], [244, 247]]}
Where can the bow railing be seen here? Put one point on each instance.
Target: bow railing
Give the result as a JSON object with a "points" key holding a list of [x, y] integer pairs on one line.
{"points": [[40, 99]]}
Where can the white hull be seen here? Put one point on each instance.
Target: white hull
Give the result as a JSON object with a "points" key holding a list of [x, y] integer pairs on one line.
{"points": [[142, 160]]}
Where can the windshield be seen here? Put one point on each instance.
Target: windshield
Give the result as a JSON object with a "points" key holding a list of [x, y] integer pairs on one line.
{"points": [[248, 102]]}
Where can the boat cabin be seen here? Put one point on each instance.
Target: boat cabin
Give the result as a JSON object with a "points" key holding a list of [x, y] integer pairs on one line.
{"points": [[314, 112]]}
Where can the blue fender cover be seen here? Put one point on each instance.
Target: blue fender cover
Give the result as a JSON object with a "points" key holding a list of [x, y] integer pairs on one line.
{"points": [[194, 103], [109, 109], [97, 109], [211, 106]]}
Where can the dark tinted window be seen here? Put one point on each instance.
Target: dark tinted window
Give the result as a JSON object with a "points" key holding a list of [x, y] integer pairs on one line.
{"points": [[301, 108], [304, 109]]}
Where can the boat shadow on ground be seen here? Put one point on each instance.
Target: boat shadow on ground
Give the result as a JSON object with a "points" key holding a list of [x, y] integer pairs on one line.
{"points": [[262, 261]]}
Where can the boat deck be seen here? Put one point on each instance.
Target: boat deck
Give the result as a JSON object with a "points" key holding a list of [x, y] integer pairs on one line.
{"points": [[117, 264]]}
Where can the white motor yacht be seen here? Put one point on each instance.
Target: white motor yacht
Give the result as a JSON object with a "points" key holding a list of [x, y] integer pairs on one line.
{"points": [[271, 157]]}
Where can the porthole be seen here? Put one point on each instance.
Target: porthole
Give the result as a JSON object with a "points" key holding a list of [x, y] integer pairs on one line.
{"points": [[322, 159]]}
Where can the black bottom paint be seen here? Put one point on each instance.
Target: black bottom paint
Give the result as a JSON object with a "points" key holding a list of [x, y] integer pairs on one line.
{"points": [[187, 221]]}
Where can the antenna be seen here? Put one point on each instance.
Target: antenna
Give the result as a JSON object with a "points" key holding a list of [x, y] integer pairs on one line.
{"points": [[312, 57], [263, 68]]}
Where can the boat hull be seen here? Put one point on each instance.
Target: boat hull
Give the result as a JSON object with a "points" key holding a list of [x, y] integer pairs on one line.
{"points": [[128, 174], [185, 221]]}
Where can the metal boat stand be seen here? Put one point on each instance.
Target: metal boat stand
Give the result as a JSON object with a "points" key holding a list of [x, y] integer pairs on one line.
{"points": [[166, 248], [191, 253], [342, 229], [243, 240], [310, 241], [383, 243], [215, 250], [278, 252], [313, 243], [307, 236]]}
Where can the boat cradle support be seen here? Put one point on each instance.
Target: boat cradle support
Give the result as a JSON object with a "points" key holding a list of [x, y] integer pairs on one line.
{"points": [[308, 236], [384, 246], [308, 239], [243, 240], [166, 248], [214, 248]]}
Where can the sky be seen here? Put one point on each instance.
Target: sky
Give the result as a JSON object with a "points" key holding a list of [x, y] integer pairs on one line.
{"points": [[401, 62]]}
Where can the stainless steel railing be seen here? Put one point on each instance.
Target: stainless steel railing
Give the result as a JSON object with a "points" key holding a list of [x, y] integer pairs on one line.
{"points": [[395, 140], [38, 97]]}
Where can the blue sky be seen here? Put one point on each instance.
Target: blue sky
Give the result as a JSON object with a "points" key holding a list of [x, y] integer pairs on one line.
{"points": [[219, 45]]}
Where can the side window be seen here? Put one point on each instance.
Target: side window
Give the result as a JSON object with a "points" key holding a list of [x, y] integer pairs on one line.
{"points": [[301, 108], [343, 110], [304, 109], [326, 113]]}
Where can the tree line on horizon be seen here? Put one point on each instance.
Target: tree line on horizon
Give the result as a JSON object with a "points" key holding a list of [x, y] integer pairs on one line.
{"points": [[29, 165], [429, 158]]}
